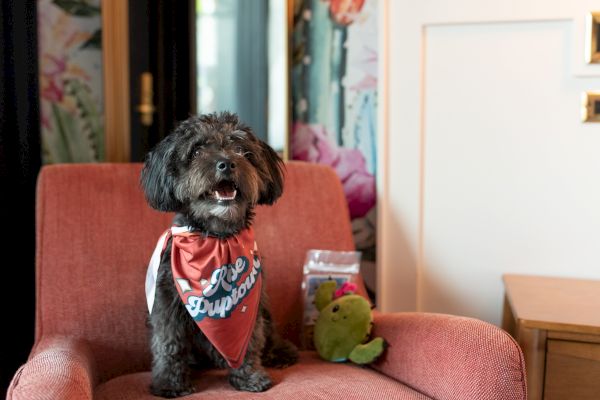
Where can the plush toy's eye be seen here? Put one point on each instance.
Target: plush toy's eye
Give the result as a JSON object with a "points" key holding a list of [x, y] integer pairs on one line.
{"points": [[239, 150], [336, 308]]}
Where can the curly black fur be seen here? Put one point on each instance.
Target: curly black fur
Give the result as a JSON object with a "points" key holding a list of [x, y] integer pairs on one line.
{"points": [[180, 175]]}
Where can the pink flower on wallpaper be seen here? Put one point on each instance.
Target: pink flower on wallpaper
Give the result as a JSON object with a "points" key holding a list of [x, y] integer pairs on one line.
{"points": [[60, 36], [311, 143], [51, 91], [52, 69]]}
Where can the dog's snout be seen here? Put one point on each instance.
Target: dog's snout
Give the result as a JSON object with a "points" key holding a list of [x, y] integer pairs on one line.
{"points": [[225, 165]]}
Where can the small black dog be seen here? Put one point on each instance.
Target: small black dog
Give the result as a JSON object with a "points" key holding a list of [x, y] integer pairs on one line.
{"points": [[211, 171]]}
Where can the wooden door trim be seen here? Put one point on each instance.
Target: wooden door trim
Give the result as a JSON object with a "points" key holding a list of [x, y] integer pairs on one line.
{"points": [[115, 53]]}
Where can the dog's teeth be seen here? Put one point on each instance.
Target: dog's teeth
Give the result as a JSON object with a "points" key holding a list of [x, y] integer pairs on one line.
{"points": [[222, 197]]}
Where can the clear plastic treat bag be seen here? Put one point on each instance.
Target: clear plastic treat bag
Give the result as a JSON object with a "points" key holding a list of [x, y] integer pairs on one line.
{"points": [[319, 266]]}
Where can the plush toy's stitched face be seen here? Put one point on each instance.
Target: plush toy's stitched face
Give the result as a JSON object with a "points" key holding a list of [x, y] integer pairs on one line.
{"points": [[342, 325], [347, 311]]}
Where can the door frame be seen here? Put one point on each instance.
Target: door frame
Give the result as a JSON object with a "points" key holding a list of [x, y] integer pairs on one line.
{"points": [[115, 60]]}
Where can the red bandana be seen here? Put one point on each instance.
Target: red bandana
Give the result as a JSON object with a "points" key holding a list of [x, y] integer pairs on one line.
{"points": [[219, 282]]}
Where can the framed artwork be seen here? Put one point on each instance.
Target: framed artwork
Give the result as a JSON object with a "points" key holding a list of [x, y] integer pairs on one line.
{"points": [[334, 103], [70, 76], [593, 38], [590, 107], [84, 109]]}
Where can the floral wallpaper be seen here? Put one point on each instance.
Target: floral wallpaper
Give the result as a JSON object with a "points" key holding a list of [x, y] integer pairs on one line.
{"points": [[334, 101], [70, 59]]}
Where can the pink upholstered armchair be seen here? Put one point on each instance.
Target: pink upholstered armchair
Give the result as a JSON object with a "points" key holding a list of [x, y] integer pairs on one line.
{"points": [[95, 235]]}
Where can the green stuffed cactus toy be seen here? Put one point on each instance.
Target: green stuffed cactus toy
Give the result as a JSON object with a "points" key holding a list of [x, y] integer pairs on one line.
{"points": [[343, 328]]}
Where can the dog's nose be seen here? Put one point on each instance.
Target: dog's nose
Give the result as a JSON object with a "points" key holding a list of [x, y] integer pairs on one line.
{"points": [[225, 165]]}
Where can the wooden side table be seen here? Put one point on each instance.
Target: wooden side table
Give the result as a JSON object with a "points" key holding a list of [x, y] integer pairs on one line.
{"points": [[556, 321]]}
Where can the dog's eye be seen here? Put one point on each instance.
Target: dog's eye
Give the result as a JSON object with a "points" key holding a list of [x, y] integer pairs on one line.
{"points": [[195, 154], [239, 150], [198, 150]]}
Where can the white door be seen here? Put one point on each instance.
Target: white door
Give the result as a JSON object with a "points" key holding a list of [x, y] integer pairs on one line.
{"points": [[486, 166]]}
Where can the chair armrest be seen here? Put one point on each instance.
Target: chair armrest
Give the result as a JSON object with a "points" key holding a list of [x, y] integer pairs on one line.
{"points": [[449, 357], [58, 368]]}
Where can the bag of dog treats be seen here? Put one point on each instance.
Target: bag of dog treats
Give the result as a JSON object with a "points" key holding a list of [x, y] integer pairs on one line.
{"points": [[319, 266]]}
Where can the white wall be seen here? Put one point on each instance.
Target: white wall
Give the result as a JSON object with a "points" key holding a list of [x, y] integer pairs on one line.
{"points": [[488, 168]]}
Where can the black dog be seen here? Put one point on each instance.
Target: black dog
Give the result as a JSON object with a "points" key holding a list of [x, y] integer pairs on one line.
{"points": [[211, 171]]}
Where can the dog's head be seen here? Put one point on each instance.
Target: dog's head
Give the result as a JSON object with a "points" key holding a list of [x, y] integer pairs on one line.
{"points": [[213, 170]]}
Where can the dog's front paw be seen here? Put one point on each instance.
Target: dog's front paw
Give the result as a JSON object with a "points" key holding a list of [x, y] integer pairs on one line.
{"points": [[171, 392], [257, 381], [281, 355]]}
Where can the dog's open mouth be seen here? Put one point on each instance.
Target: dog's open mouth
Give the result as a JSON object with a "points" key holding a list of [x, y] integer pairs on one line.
{"points": [[225, 191]]}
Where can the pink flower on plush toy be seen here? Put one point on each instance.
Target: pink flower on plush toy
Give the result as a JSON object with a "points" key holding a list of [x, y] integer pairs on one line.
{"points": [[347, 288]]}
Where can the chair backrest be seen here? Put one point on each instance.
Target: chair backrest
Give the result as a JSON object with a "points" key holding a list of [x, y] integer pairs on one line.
{"points": [[95, 235]]}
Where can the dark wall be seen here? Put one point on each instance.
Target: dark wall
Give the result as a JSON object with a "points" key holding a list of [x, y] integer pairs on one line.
{"points": [[19, 165], [171, 58]]}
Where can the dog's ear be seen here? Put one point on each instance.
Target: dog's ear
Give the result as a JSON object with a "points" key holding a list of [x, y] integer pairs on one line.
{"points": [[274, 167], [158, 180]]}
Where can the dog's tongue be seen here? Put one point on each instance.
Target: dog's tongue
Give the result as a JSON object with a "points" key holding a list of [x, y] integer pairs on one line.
{"points": [[225, 191]]}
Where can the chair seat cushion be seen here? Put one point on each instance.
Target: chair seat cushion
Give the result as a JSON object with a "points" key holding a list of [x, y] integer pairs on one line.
{"points": [[310, 378]]}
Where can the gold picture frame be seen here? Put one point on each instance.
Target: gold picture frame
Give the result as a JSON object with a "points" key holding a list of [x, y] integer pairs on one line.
{"points": [[590, 107], [592, 34]]}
